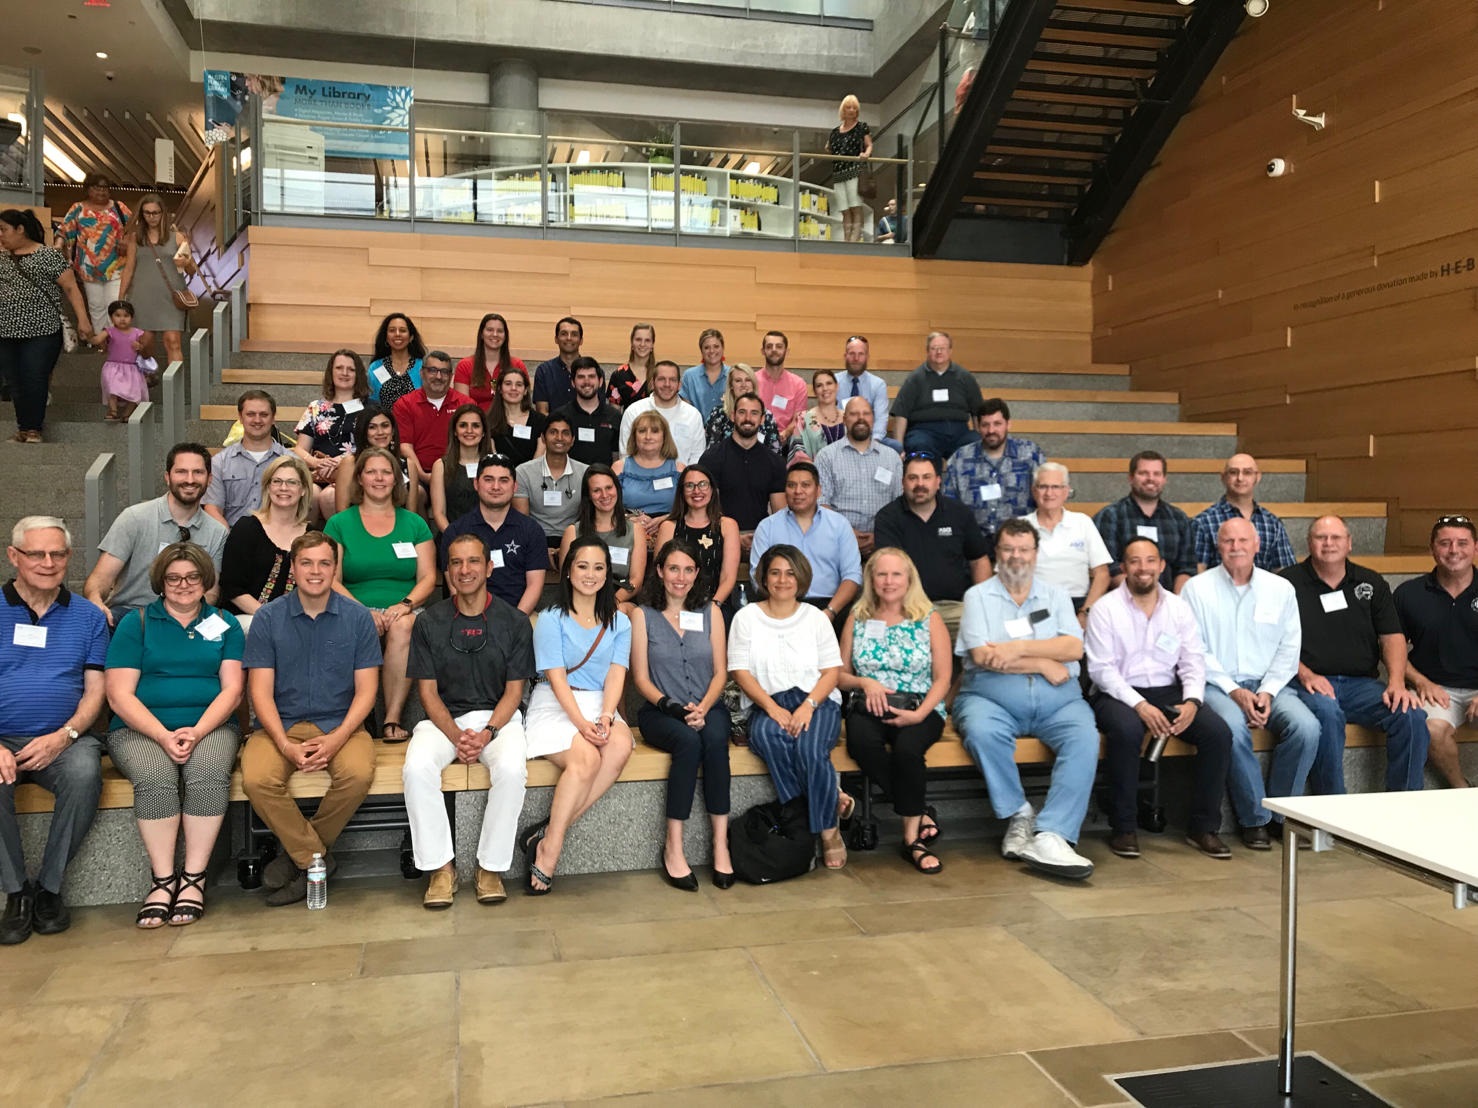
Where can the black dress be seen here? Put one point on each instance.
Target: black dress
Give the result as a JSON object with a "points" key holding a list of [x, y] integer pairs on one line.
{"points": [[709, 542], [626, 388]]}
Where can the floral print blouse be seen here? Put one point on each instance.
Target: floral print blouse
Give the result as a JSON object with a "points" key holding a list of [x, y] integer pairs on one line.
{"points": [[898, 657], [331, 427]]}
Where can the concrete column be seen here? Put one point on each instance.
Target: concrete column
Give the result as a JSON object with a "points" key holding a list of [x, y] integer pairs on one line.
{"points": [[513, 88]]}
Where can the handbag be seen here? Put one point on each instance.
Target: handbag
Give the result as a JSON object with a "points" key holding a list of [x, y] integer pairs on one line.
{"points": [[902, 702], [70, 341], [772, 842], [183, 298], [867, 185]]}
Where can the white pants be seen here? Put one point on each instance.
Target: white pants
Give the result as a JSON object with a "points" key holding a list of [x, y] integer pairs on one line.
{"points": [[99, 294], [430, 752]]}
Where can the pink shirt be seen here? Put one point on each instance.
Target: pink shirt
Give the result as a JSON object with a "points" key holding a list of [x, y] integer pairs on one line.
{"points": [[785, 400], [1126, 650]]}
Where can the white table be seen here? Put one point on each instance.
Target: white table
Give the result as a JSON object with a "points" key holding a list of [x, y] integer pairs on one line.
{"points": [[1429, 836]]}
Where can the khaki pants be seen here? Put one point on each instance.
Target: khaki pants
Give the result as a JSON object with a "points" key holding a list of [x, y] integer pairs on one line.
{"points": [[265, 774], [950, 611]]}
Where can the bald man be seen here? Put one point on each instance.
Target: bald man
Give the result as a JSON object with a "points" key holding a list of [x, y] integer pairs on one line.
{"points": [[1350, 627], [1240, 478], [859, 475]]}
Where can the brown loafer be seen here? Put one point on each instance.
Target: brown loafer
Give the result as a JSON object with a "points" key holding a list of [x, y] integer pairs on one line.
{"points": [[489, 887], [1125, 844], [1209, 843], [441, 888]]}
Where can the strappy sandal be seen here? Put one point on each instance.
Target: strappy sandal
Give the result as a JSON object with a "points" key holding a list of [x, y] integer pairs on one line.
{"points": [[149, 913], [914, 854], [393, 725], [192, 910], [531, 854], [933, 825], [529, 837]]}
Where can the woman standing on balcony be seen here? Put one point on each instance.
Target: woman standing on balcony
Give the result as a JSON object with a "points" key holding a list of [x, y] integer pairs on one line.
{"points": [[152, 277], [851, 139]]}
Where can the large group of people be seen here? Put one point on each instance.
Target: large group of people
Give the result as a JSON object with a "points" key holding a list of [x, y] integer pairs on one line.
{"points": [[889, 588]]}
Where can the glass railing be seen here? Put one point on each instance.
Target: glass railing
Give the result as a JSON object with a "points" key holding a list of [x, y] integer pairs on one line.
{"points": [[455, 163], [846, 13], [20, 170]]}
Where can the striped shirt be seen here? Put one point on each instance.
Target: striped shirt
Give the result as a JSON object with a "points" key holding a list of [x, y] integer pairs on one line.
{"points": [[42, 661]]}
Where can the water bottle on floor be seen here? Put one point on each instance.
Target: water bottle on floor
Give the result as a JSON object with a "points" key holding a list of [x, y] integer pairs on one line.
{"points": [[317, 883]]}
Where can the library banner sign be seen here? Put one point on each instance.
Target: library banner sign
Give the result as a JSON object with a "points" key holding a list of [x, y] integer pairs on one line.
{"points": [[326, 102]]}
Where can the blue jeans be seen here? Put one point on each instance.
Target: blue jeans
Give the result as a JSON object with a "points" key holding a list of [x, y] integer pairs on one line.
{"points": [[26, 365], [801, 765], [994, 709], [1297, 732], [75, 780], [1358, 700], [943, 437]]}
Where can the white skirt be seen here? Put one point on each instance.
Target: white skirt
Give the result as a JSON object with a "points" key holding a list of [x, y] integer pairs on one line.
{"points": [[548, 729]]}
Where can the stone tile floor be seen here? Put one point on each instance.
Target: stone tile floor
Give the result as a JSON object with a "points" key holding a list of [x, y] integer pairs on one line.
{"points": [[871, 986]]}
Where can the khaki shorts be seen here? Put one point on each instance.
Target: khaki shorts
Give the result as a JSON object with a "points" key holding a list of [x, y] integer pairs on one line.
{"points": [[1455, 714], [949, 611]]}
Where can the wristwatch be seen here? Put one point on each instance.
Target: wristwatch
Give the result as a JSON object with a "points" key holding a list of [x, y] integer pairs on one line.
{"points": [[812, 702], [1196, 700], [492, 731], [72, 733]]}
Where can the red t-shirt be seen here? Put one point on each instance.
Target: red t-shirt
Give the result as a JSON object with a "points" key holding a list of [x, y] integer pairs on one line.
{"points": [[423, 427], [483, 398]]}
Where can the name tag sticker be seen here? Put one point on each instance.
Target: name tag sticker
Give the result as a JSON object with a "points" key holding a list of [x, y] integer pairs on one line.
{"points": [[780, 403], [1020, 628], [620, 556], [1166, 643], [162, 545], [522, 431], [882, 475], [27, 634], [553, 498], [1334, 601], [690, 621], [759, 437], [874, 629], [352, 406], [471, 468], [212, 627], [497, 557], [662, 484], [381, 375], [404, 549], [990, 492], [941, 396], [585, 434], [1151, 533]]}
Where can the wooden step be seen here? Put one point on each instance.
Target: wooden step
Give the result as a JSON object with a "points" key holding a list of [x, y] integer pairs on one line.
{"points": [[264, 377], [1183, 465], [1076, 396], [1396, 563], [1293, 509], [1025, 428]]}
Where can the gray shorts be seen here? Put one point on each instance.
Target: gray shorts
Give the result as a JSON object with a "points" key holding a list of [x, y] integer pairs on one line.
{"points": [[1455, 714]]}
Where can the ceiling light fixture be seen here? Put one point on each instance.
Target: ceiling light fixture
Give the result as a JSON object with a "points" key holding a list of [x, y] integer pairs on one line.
{"points": [[1256, 8], [752, 167], [55, 155], [102, 54]]}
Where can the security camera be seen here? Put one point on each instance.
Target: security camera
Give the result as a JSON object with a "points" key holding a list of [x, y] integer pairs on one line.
{"points": [[1276, 167], [110, 74], [1314, 121]]}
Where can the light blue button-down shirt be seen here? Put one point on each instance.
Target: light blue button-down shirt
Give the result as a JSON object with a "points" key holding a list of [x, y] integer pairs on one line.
{"points": [[696, 390], [829, 546], [990, 615], [1251, 634]]}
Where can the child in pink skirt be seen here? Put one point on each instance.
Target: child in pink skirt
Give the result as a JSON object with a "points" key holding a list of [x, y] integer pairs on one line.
{"points": [[124, 383]]}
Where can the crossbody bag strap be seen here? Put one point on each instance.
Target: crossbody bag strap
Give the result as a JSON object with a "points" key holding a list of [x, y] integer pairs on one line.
{"points": [[589, 652]]}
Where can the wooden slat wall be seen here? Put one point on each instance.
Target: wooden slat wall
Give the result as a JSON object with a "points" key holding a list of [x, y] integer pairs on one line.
{"points": [[331, 289], [1332, 313]]}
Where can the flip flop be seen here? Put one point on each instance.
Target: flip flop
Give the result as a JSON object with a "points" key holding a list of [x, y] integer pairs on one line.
{"points": [[393, 739]]}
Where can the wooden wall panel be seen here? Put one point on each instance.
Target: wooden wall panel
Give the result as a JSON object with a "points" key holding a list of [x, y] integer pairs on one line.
{"points": [[313, 290], [1333, 312]]}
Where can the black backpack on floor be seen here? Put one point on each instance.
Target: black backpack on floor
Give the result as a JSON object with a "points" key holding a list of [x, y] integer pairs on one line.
{"points": [[772, 842]]}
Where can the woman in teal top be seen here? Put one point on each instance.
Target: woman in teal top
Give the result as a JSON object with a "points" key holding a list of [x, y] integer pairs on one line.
{"points": [[174, 680], [896, 668], [387, 562], [582, 646]]}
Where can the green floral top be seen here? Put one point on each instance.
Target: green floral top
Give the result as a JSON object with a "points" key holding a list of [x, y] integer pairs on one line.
{"points": [[898, 656]]}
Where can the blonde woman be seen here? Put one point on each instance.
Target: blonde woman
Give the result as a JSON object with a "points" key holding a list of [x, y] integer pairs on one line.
{"points": [[255, 566], [157, 267], [649, 472], [720, 422], [851, 138], [896, 668]]}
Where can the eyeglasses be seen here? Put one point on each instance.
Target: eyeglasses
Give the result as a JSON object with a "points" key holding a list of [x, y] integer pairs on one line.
{"points": [[481, 636], [1049, 488], [857, 338], [696, 486], [285, 483], [175, 580], [921, 455], [435, 370], [43, 555]]}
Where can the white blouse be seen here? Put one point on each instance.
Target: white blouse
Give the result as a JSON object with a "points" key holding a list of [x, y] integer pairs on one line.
{"points": [[783, 653]]}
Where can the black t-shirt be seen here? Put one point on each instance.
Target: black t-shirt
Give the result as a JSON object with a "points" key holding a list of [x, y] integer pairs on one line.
{"points": [[488, 653], [942, 546], [746, 479], [601, 428], [1442, 630], [517, 447], [1341, 636]]}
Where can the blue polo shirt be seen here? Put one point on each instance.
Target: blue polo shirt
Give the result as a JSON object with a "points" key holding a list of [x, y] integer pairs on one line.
{"points": [[314, 659], [42, 660], [990, 615], [830, 547], [520, 545]]}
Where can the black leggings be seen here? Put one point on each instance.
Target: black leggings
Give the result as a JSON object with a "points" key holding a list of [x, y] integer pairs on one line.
{"points": [[689, 749], [899, 770]]}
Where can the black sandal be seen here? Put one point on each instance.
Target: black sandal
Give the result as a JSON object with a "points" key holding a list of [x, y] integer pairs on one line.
{"points": [[160, 912], [385, 732], [932, 825], [914, 854], [531, 854], [192, 910], [529, 837]]}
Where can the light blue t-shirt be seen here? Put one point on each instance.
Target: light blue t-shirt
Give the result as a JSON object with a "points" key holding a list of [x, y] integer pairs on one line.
{"points": [[560, 642]]}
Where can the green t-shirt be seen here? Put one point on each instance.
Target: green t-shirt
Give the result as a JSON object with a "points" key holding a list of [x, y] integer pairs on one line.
{"points": [[179, 668], [376, 574]]}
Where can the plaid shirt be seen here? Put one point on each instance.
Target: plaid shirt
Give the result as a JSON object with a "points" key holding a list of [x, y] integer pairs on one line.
{"points": [[1275, 551], [970, 473], [1120, 521]]}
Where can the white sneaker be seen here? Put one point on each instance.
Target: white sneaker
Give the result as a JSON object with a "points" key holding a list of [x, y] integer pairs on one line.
{"points": [[1051, 853], [1019, 832]]}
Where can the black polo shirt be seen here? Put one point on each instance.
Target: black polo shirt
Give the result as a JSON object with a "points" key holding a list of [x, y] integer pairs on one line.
{"points": [[1341, 636], [471, 659], [1442, 630], [942, 546], [595, 432], [746, 479]]}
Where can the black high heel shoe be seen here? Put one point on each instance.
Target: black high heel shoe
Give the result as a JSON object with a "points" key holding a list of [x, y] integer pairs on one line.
{"points": [[688, 882], [722, 880]]}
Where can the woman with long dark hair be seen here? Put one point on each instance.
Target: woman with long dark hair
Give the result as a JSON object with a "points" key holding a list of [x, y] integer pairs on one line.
{"points": [[697, 518], [396, 369], [477, 375], [454, 476], [157, 268], [582, 646], [516, 426], [603, 514], [326, 430]]}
